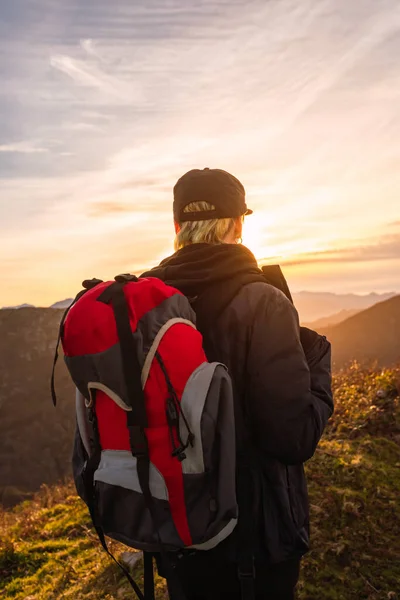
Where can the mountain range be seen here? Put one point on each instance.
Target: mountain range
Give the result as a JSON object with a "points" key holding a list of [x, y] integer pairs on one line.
{"points": [[330, 320], [35, 438], [316, 305], [62, 303], [19, 306], [312, 306]]}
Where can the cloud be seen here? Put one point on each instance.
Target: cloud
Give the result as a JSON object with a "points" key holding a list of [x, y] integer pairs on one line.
{"points": [[106, 208], [386, 248], [83, 127], [90, 47], [299, 99], [24, 147], [87, 75]]}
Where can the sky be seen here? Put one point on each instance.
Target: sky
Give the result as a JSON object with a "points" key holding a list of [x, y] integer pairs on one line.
{"points": [[104, 105]]}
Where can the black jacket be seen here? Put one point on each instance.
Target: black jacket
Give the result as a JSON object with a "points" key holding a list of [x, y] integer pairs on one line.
{"points": [[282, 387]]}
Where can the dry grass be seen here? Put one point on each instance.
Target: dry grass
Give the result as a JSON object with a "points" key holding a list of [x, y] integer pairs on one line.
{"points": [[49, 552]]}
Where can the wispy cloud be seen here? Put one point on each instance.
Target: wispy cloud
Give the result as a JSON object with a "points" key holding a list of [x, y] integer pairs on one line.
{"points": [[90, 47], [382, 249], [88, 74], [22, 148], [108, 208]]}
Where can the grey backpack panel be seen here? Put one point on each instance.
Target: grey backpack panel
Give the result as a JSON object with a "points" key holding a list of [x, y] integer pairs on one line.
{"points": [[209, 471]]}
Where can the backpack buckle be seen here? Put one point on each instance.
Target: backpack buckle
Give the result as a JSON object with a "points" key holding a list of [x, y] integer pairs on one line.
{"points": [[125, 278], [179, 453], [89, 284], [247, 570]]}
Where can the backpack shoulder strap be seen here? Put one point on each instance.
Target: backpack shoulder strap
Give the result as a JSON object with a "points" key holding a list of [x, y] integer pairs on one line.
{"points": [[137, 417], [274, 276]]}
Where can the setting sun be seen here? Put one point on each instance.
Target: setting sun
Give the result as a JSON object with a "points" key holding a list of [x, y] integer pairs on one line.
{"points": [[255, 236]]}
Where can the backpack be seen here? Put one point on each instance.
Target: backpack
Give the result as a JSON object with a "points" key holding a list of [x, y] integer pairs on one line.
{"points": [[154, 451]]}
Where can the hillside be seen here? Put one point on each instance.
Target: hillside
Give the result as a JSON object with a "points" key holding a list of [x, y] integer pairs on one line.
{"points": [[35, 438], [48, 552], [372, 335], [335, 319]]}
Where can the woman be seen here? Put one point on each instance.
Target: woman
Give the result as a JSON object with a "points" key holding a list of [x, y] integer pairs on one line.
{"points": [[282, 390]]}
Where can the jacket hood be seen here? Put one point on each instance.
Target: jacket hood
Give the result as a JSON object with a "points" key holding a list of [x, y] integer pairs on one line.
{"points": [[200, 266], [209, 275]]}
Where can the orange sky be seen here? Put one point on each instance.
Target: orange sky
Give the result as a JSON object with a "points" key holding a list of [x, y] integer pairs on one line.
{"points": [[104, 111]]}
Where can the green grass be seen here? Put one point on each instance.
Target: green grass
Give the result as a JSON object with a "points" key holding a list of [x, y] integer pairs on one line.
{"points": [[49, 552]]}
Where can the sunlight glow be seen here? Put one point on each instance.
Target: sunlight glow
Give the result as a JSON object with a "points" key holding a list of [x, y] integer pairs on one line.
{"points": [[255, 236]]}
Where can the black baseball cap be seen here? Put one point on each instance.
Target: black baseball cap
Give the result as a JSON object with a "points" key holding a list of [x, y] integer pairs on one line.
{"points": [[214, 186]]}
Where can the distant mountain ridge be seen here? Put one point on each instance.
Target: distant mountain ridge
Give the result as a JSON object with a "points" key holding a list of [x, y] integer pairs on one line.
{"points": [[17, 307], [335, 319], [28, 419], [311, 306], [62, 303]]}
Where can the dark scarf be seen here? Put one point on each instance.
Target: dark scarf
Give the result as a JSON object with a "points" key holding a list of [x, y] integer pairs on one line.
{"points": [[211, 276]]}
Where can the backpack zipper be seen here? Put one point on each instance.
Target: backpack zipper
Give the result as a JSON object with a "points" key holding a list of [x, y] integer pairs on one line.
{"points": [[173, 411]]}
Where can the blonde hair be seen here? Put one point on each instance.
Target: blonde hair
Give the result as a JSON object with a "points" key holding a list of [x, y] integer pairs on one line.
{"points": [[213, 231]]}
